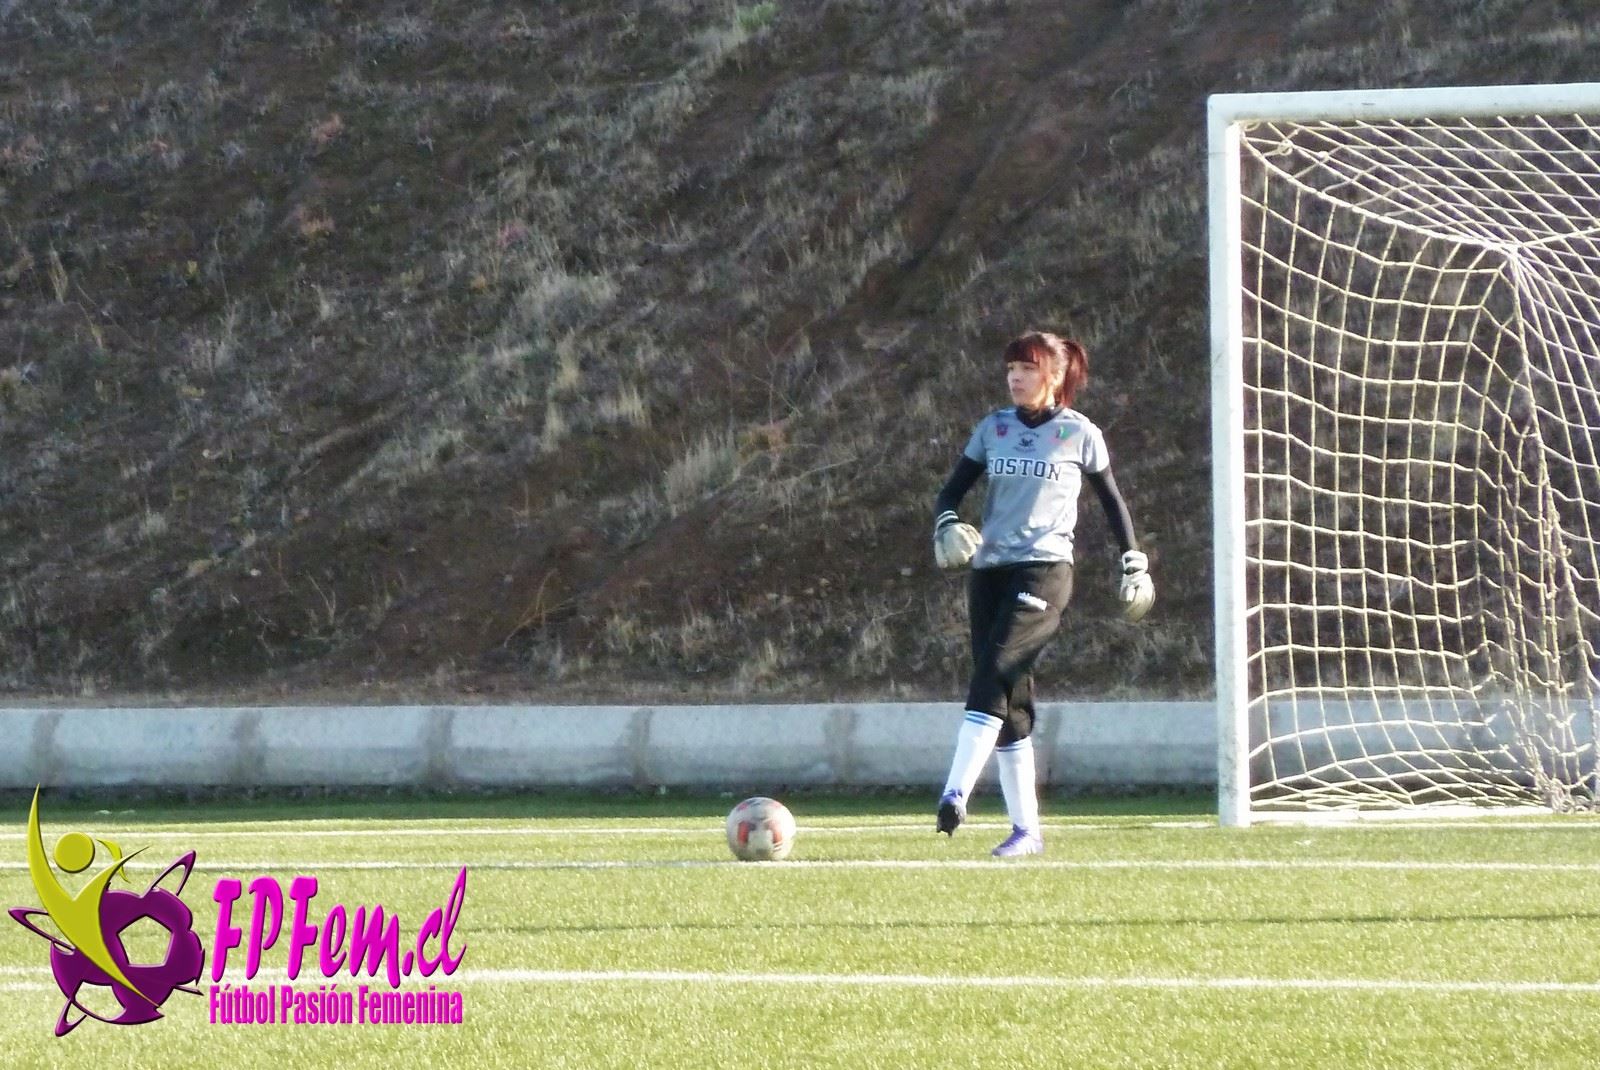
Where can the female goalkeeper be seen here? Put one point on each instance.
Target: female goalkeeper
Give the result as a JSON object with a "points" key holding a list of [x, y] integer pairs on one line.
{"points": [[1036, 454]]}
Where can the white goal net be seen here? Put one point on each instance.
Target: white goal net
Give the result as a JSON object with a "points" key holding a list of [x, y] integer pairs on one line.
{"points": [[1413, 500]]}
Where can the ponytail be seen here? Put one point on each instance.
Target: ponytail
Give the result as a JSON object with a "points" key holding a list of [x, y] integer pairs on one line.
{"points": [[1075, 371]]}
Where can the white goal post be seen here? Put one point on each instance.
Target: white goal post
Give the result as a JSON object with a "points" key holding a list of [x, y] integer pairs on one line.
{"points": [[1405, 355]]}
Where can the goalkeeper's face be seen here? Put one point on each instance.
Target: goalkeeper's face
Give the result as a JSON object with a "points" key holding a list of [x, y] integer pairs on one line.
{"points": [[1030, 384]]}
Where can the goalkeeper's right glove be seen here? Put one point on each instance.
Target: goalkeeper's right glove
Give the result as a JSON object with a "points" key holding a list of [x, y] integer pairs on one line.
{"points": [[954, 543], [1137, 591]]}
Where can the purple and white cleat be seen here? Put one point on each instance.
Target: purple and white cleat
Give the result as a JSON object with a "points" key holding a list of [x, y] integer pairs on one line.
{"points": [[1021, 842], [952, 811]]}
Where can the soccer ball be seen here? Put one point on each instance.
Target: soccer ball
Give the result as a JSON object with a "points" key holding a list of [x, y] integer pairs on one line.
{"points": [[760, 830]]}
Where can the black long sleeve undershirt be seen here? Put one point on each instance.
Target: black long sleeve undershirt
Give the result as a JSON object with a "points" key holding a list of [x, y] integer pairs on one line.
{"points": [[967, 471], [1117, 516]]}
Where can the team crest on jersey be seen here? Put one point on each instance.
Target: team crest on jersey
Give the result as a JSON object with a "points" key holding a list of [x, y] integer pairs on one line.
{"points": [[1026, 440], [1001, 429]]}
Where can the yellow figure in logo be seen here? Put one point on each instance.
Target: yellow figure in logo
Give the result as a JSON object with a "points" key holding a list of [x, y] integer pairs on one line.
{"points": [[77, 916]]}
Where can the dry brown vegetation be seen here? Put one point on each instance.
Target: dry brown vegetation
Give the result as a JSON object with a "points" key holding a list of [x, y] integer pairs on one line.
{"points": [[608, 352]]}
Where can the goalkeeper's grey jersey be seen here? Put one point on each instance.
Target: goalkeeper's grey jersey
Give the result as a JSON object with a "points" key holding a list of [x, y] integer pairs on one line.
{"points": [[1035, 474]]}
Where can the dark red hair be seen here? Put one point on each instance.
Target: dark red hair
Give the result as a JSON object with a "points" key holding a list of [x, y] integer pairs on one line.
{"points": [[1057, 356]]}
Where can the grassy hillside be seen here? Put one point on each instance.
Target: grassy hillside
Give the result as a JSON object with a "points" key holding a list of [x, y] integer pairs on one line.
{"points": [[614, 351]]}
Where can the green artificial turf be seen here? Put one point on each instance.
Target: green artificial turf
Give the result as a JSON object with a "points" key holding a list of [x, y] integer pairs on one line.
{"points": [[617, 931]]}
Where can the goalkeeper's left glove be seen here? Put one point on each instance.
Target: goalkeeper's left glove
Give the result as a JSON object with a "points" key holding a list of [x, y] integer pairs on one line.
{"points": [[1137, 591]]}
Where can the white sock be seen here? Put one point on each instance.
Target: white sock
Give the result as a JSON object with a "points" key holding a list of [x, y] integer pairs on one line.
{"points": [[1018, 783], [974, 740]]}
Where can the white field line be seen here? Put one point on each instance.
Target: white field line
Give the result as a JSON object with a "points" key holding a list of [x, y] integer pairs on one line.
{"points": [[797, 865], [298, 830], [900, 980], [947, 981], [292, 832]]}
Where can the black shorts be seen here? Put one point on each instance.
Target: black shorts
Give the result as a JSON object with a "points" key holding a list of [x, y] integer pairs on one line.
{"points": [[1012, 611]]}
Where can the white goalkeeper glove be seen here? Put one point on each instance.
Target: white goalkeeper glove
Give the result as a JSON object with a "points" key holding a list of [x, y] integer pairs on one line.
{"points": [[954, 543], [1137, 591]]}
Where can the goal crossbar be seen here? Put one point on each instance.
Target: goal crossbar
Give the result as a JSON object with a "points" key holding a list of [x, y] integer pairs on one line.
{"points": [[1457, 102]]}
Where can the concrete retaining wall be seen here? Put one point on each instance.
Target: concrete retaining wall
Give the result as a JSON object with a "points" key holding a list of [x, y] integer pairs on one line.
{"points": [[754, 748]]}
